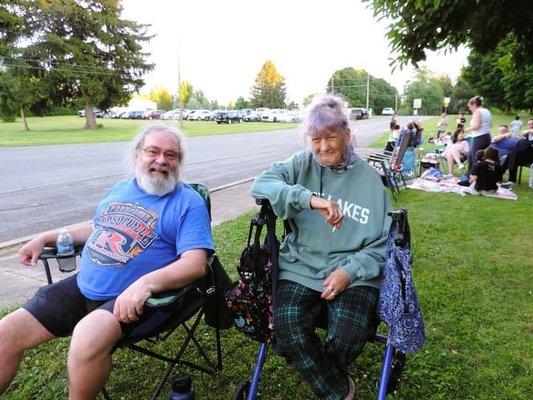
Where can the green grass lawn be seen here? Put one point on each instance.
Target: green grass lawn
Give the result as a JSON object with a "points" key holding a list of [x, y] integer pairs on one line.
{"points": [[68, 129], [473, 270]]}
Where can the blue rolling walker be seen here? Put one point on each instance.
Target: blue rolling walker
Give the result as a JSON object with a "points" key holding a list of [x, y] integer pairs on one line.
{"points": [[393, 360]]}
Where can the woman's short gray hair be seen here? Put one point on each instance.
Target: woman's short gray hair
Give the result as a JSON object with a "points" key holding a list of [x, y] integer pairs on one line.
{"points": [[326, 112], [138, 142]]}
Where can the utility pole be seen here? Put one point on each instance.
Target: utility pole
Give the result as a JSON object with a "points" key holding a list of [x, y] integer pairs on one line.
{"points": [[179, 90], [367, 89], [396, 101]]}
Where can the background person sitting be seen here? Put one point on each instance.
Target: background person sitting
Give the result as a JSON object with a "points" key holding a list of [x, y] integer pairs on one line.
{"points": [[393, 138], [456, 151], [444, 140], [504, 142], [522, 155], [442, 125], [393, 121], [487, 173], [461, 121]]}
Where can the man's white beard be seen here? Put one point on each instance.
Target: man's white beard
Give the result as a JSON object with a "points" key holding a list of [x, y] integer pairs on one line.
{"points": [[158, 186]]}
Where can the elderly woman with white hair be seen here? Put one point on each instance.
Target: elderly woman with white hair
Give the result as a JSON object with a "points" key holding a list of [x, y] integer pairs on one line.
{"points": [[337, 208]]}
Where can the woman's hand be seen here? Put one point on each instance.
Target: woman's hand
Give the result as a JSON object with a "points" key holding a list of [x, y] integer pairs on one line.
{"points": [[335, 284], [329, 209]]}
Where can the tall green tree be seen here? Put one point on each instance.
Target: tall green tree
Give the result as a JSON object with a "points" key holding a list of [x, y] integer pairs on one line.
{"points": [[428, 88], [499, 79], [351, 83], [20, 89], [162, 97], [308, 99], [198, 100], [92, 56], [184, 93], [462, 92], [269, 89], [241, 103], [419, 25]]}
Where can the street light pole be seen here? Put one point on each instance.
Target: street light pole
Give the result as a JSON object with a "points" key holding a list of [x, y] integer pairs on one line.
{"points": [[180, 98], [367, 90]]}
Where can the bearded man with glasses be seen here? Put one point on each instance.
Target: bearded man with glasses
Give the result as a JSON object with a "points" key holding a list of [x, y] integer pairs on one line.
{"points": [[150, 234]]}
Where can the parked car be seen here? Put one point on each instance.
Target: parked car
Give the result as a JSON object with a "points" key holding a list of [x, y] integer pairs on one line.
{"points": [[262, 111], [132, 115], [200, 115], [169, 114], [220, 116], [97, 113], [285, 116], [297, 116], [153, 114], [113, 114], [240, 113], [356, 113], [184, 114], [227, 117], [252, 117], [387, 111], [272, 116]]}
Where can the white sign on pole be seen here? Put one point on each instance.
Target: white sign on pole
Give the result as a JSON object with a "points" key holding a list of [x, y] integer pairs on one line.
{"points": [[446, 101], [417, 103]]}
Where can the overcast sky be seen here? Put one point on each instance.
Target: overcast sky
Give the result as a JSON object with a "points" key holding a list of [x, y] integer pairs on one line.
{"points": [[223, 44]]}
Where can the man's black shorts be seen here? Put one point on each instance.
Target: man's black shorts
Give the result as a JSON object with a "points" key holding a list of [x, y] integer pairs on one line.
{"points": [[60, 306]]}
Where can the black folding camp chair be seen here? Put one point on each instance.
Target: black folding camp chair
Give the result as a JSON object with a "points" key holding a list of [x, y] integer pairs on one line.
{"points": [[186, 307]]}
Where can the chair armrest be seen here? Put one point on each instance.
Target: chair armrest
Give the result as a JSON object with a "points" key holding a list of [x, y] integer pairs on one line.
{"points": [[51, 253], [167, 298], [162, 299]]}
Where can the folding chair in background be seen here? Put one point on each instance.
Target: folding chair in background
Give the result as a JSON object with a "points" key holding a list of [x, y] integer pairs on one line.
{"points": [[182, 310], [389, 163]]}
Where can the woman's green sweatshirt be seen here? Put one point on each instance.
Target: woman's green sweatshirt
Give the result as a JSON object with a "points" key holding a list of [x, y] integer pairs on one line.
{"points": [[313, 250]]}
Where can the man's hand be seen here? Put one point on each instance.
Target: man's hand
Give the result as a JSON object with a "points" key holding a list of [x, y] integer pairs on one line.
{"points": [[130, 303], [329, 210], [30, 252], [335, 284]]}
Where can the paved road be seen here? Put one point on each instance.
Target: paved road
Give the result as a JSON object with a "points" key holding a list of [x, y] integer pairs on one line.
{"points": [[49, 186]]}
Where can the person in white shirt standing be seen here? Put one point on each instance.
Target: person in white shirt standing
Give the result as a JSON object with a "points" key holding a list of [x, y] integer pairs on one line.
{"points": [[516, 125]]}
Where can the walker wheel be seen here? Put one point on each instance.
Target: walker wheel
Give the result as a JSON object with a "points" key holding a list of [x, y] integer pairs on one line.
{"points": [[398, 363], [241, 392]]}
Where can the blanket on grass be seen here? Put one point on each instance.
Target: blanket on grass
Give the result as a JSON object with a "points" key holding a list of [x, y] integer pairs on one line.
{"points": [[450, 186]]}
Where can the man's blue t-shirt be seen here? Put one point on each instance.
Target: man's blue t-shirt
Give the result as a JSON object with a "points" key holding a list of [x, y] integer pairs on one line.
{"points": [[136, 233], [505, 146]]}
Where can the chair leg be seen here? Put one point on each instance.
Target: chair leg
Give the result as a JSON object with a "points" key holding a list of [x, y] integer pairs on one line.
{"points": [[219, 350]]}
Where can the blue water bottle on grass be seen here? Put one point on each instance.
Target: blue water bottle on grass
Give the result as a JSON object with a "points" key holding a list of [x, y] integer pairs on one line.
{"points": [[182, 388]]}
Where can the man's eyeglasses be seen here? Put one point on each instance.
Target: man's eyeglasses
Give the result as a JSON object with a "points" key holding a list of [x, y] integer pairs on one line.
{"points": [[154, 152]]}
